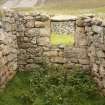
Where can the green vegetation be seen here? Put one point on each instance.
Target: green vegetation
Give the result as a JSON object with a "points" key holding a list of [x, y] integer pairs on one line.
{"points": [[77, 4], [71, 7], [52, 86], [57, 39], [15, 88]]}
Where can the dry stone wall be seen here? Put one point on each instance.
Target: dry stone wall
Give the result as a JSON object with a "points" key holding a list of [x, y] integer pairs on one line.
{"points": [[63, 24], [94, 41], [96, 51], [31, 34], [8, 57]]}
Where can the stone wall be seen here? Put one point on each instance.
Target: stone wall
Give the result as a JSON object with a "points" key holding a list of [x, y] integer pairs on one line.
{"points": [[63, 24], [8, 57], [96, 51], [32, 34], [94, 31]]}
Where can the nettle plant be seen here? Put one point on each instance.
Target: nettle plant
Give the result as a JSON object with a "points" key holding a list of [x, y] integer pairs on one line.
{"points": [[53, 85]]}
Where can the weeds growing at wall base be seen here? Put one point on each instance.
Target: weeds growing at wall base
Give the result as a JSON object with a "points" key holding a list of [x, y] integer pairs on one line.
{"points": [[52, 86]]}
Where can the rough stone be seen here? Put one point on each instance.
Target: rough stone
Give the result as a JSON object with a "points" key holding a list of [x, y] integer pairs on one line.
{"points": [[43, 41], [80, 23], [30, 24], [51, 53], [39, 24], [100, 54], [97, 29], [33, 32], [42, 18], [33, 41], [45, 32], [84, 61]]}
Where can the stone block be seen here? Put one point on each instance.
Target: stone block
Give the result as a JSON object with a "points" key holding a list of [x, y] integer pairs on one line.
{"points": [[50, 53], [7, 27], [59, 60], [80, 30], [61, 53], [21, 28], [97, 29], [69, 65], [44, 41], [83, 42], [13, 65], [81, 52], [33, 41], [33, 52], [74, 60], [95, 69], [42, 18], [103, 24], [30, 61], [32, 32], [84, 61], [100, 54], [28, 17], [11, 57], [97, 22], [102, 71], [38, 60], [8, 19], [30, 24], [22, 62], [39, 24], [1, 55], [80, 23], [45, 32], [25, 39], [30, 67]]}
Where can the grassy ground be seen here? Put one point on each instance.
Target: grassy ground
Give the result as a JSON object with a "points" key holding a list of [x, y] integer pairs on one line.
{"points": [[12, 94], [62, 39], [71, 7], [83, 90], [77, 3]]}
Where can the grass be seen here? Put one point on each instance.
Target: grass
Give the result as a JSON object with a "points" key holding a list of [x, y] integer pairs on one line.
{"points": [[70, 7], [15, 88], [63, 39], [79, 89], [77, 3], [65, 10]]}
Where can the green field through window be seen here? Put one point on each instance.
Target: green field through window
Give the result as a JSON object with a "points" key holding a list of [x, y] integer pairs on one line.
{"points": [[62, 39]]}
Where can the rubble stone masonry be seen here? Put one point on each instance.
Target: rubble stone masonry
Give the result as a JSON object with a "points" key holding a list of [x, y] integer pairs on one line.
{"points": [[25, 43]]}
